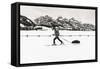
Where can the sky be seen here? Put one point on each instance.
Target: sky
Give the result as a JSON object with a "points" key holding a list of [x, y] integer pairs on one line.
{"points": [[83, 15]]}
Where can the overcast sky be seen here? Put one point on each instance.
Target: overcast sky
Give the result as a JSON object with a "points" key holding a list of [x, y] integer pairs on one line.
{"points": [[83, 15]]}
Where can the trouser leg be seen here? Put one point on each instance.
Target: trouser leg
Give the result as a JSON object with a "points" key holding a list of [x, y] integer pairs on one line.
{"points": [[54, 40], [59, 40]]}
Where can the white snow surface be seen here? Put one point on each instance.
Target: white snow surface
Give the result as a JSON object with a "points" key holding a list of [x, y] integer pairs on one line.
{"points": [[36, 49]]}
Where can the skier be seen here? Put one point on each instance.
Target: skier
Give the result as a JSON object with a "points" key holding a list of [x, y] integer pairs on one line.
{"points": [[56, 34]]}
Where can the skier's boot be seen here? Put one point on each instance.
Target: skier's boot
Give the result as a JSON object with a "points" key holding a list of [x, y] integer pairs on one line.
{"points": [[53, 44], [62, 43]]}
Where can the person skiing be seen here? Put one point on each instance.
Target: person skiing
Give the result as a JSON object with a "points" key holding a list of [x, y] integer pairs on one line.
{"points": [[56, 34]]}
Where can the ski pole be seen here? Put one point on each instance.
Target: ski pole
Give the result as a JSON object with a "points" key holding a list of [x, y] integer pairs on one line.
{"points": [[66, 40]]}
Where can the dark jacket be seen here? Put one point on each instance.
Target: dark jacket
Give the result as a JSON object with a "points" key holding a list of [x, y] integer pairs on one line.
{"points": [[56, 31]]}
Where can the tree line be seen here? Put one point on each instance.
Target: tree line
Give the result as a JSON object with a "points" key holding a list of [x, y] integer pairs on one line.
{"points": [[46, 21]]}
